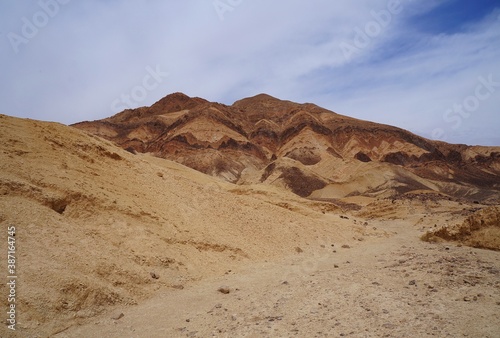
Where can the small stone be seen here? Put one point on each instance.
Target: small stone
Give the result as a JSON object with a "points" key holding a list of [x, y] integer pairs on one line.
{"points": [[345, 246], [335, 266], [412, 282], [224, 290], [188, 320], [298, 250], [154, 275], [118, 316]]}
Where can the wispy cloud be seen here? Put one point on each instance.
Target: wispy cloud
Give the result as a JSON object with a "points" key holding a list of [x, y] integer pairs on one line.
{"points": [[92, 52]]}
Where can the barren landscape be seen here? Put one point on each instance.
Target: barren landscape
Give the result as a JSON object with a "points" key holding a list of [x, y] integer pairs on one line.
{"points": [[262, 219]]}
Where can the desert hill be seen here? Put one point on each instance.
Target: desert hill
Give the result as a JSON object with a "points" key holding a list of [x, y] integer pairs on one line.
{"points": [[112, 243], [98, 226], [306, 149]]}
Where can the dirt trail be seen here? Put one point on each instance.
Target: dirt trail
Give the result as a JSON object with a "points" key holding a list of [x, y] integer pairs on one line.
{"points": [[392, 286]]}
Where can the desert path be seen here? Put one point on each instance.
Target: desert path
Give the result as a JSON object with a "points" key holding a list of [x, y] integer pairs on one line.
{"points": [[383, 286], [116, 241]]}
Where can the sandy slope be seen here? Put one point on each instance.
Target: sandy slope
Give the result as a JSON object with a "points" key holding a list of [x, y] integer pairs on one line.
{"points": [[101, 232], [93, 221], [392, 286]]}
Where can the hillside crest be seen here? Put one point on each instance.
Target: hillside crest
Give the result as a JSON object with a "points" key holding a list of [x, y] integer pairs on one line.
{"points": [[304, 148]]}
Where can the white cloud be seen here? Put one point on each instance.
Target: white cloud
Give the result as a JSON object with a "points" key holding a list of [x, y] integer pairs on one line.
{"points": [[416, 89], [92, 52]]}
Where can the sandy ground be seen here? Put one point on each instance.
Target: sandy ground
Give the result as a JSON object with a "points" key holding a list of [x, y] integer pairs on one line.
{"points": [[97, 226], [395, 286], [102, 232]]}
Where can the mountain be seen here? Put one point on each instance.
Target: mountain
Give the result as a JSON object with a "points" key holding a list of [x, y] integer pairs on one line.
{"points": [[304, 148], [94, 223], [105, 238]]}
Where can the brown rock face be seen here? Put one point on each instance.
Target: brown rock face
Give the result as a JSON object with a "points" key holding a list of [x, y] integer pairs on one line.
{"points": [[309, 150]]}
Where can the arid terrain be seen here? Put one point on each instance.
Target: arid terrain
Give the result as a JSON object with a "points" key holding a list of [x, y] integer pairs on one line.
{"points": [[306, 149], [196, 219]]}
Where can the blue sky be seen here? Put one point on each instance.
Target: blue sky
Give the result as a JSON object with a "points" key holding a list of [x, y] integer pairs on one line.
{"points": [[432, 67]]}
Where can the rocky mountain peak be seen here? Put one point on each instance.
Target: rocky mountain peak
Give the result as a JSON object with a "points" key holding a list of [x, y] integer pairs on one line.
{"points": [[304, 148]]}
